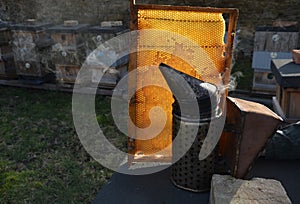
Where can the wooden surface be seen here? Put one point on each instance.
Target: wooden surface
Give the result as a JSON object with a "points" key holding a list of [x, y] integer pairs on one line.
{"points": [[250, 125], [288, 88], [229, 45], [36, 69], [275, 43], [266, 41], [5, 37], [290, 102], [264, 77], [277, 108], [68, 39], [102, 89], [67, 73], [262, 84], [184, 8], [75, 56]]}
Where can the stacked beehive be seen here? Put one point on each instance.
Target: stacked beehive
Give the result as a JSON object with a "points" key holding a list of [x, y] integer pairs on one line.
{"points": [[107, 64], [99, 34], [31, 45], [271, 43], [7, 66], [69, 51]]}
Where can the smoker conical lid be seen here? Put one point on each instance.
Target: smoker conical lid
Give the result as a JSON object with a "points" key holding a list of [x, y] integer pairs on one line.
{"points": [[204, 93]]}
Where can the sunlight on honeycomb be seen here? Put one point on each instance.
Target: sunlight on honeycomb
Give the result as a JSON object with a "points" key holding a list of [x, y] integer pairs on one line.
{"points": [[206, 30]]}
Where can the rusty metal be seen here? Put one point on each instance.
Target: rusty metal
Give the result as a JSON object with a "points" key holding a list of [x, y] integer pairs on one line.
{"points": [[251, 125]]}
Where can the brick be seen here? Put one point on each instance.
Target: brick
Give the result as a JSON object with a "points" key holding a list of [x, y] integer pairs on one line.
{"points": [[296, 56], [226, 189]]}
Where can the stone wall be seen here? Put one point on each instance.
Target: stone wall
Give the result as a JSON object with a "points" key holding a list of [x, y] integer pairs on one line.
{"points": [[86, 11], [252, 13]]}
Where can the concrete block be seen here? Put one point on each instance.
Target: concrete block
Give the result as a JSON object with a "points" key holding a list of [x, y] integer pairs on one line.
{"points": [[228, 190]]}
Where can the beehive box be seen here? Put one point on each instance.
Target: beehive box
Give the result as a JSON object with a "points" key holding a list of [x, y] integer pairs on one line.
{"points": [[96, 35], [37, 67], [107, 65], [71, 57], [31, 47], [68, 36], [287, 102], [106, 77], [30, 68], [69, 49], [271, 43], [66, 73], [263, 81]]}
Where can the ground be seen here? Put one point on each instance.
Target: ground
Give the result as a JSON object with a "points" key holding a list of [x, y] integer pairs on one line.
{"points": [[41, 158]]}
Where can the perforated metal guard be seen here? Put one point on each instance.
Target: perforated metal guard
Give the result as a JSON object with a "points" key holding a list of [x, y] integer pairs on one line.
{"points": [[189, 173], [205, 28]]}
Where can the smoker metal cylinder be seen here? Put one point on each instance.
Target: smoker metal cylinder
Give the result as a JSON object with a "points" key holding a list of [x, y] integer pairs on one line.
{"points": [[188, 172]]}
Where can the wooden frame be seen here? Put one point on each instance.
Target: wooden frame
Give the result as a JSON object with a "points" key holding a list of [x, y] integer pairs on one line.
{"points": [[231, 27]]}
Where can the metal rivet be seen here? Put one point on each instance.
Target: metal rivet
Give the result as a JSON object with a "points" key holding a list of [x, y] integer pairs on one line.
{"points": [[99, 38], [27, 65], [273, 55], [64, 54], [275, 37]]}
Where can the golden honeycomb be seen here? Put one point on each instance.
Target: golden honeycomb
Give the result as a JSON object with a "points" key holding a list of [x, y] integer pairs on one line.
{"points": [[204, 29]]}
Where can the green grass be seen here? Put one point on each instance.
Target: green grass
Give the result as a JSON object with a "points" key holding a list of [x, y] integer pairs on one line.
{"points": [[41, 158], [243, 73]]}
